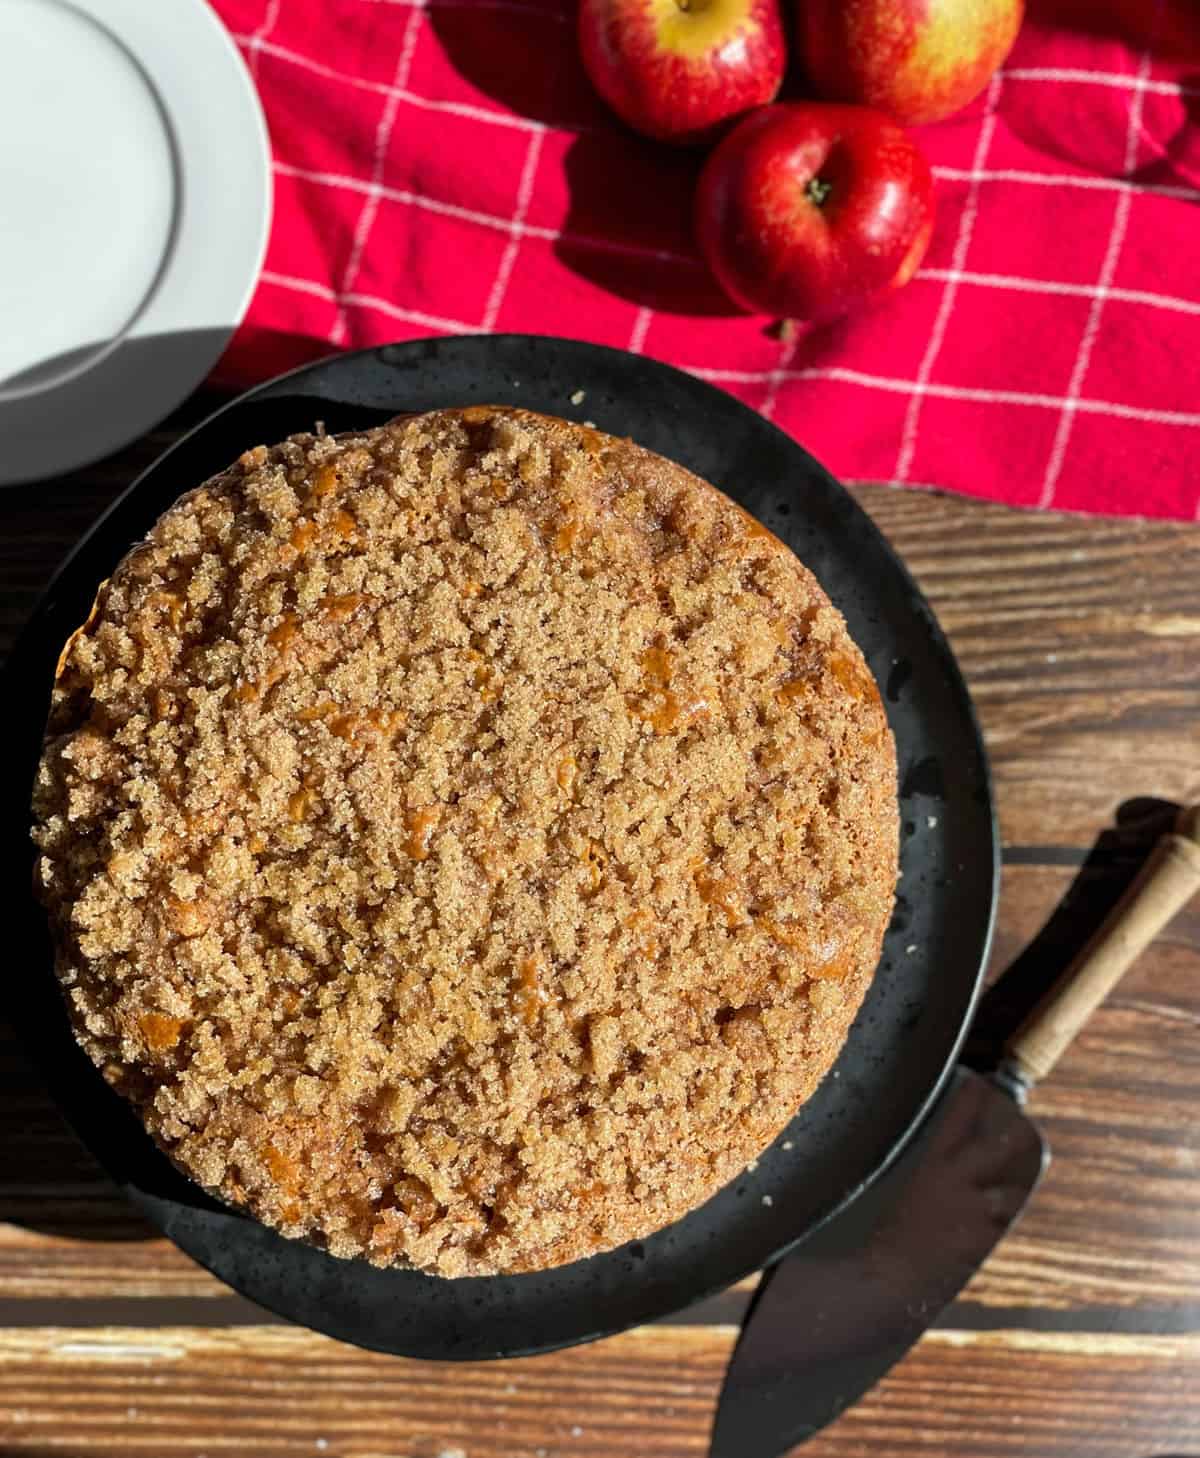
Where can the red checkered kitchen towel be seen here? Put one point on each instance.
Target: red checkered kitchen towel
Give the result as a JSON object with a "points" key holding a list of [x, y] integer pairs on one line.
{"points": [[443, 166]]}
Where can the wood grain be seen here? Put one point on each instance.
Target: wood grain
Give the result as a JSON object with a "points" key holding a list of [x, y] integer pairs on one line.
{"points": [[1080, 640], [1168, 880], [1121, 1106], [1079, 636], [278, 1392]]}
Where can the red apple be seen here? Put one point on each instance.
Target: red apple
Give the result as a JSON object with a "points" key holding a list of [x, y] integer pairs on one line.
{"points": [[807, 210], [918, 60], [677, 69]]}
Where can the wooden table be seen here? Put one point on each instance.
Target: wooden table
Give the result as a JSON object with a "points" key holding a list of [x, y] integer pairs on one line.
{"points": [[1081, 642]]}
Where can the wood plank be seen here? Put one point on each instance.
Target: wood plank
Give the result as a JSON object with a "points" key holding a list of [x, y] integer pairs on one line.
{"points": [[1078, 635], [1078, 638], [1115, 1228], [1115, 1222], [278, 1392], [1021, 1393], [283, 1391]]}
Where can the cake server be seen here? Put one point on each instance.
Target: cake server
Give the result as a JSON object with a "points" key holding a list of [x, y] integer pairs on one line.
{"points": [[830, 1320]]}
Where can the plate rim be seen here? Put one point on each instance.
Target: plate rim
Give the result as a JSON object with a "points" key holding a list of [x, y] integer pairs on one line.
{"points": [[173, 327], [958, 687]]}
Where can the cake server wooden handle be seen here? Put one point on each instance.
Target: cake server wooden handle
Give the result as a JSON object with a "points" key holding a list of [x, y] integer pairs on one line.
{"points": [[1168, 880]]}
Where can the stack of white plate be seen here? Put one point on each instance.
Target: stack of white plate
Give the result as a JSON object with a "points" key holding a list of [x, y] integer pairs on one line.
{"points": [[135, 199]]}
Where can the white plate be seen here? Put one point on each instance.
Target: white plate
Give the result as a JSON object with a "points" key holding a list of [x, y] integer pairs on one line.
{"points": [[135, 179]]}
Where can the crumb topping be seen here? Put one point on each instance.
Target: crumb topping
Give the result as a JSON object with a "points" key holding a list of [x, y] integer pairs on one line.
{"points": [[468, 842]]}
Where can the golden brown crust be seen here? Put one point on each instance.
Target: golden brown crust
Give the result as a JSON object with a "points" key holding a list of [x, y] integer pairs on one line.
{"points": [[468, 842]]}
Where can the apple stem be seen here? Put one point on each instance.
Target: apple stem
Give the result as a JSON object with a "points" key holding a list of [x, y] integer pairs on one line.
{"points": [[818, 191]]}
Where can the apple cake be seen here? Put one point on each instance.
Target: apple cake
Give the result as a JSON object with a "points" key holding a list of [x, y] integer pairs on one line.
{"points": [[467, 842]]}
